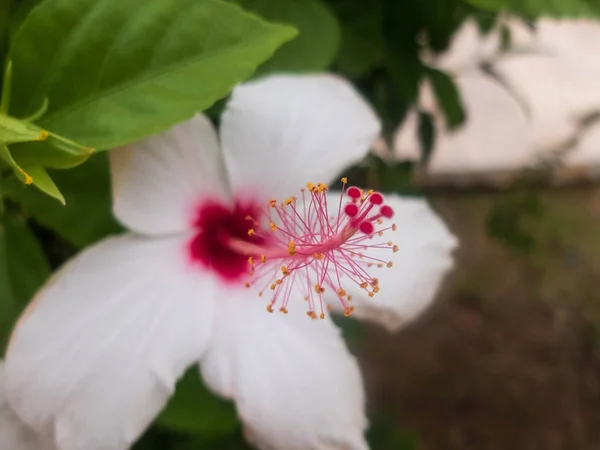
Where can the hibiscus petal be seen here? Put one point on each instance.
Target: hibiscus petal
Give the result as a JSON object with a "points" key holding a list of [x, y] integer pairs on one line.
{"points": [[294, 383], [282, 131], [158, 182], [423, 258], [14, 434], [97, 353]]}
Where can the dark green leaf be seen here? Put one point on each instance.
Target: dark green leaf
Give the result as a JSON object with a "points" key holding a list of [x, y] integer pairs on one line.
{"points": [[5, 12], [23, 269], [317, 44], [193, 409], [543, 8], [87, 215], [386, 433], [362, 47], [116, 71], [513, 218], [448, 98], [15, 130], [426, 135]]}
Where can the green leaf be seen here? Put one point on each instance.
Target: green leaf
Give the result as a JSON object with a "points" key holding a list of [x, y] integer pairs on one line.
{"points": [[385, 433], [116, 71], [23, 269], [15, 130], [12, 131], [193, 409], [6, 156], [43, 182], [448, 98], [426, 129], [542, 8], [28, 159], [87, 215], [5, 11], [362, 47], [317, 44]]}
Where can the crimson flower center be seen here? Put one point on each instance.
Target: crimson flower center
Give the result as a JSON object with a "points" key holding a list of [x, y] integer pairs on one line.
{"points": [[296, 245]]}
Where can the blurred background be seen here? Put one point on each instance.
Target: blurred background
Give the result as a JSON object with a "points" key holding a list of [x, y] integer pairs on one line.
{"points": [[491, 110]]}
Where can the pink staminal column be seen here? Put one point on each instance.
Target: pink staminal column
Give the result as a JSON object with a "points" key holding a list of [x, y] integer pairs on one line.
{"points": [[297, 248]]}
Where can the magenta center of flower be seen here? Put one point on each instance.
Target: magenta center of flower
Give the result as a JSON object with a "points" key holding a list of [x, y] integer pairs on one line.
{"points": [[296, 246]]}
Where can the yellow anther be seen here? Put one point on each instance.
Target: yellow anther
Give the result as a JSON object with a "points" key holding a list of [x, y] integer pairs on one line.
{"points": [[273, 286], [273, 226], [379, 221], [263, 259], [260, 293], [341, 292], [371, 294], [319, 256], [329, 308], [376, 289], [278, 281], [395, 248], [43, 135], [322, 187], [292, 248], [319, 289], [311, 314], [380, 233], [370, 192], [349, 298], [250, 231], [390, 243], [344, 180], [283, 310], [270, 308], [251, 260], [394, 227], [310, 186], [380, 265], [375, 282], [348, 311], [322, 316], [390, 264], [285, 271], [272, 203], [364, 285], [289, 201], [247, 284]]}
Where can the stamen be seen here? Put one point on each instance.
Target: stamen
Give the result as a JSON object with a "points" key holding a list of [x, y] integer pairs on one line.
{"points": [[314, 252]]}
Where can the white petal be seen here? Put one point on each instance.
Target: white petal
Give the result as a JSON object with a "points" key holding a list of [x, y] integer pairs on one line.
{"points": [[282, 131], [97, 354], [424, 258], [14, 434], [158, 182], [295, 385]]}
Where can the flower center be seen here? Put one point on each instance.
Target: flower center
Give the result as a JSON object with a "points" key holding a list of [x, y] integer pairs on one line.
{"points": [[296, 245]]}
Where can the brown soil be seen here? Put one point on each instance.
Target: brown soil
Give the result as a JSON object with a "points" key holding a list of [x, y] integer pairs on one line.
{"points": [[509, 355]]}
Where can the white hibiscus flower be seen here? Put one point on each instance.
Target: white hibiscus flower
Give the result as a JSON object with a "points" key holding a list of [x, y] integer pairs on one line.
{"points": [[14, 434], [210, 252]]}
